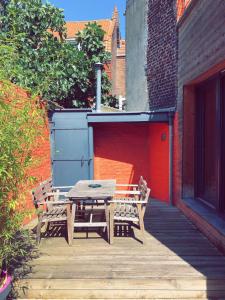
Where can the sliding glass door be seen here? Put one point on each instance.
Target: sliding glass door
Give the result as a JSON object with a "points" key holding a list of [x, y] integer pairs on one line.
{"points": [[206, 141]]}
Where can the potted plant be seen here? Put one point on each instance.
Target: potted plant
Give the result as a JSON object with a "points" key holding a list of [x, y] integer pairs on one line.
{"points": [[5, 282]]}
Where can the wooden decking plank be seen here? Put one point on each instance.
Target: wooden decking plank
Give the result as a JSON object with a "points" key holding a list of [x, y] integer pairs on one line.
{"points": [[121, 294], [150, 260], [177, 262], [131, 284]]}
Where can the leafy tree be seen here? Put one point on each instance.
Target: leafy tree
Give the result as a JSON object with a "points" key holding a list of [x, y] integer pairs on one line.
{"points": [[29, 26], [49, 65], [90, 41], [3, 4]]}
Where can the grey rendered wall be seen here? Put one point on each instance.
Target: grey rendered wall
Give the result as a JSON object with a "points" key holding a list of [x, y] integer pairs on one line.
{"points": [[201, 33], [136, 43], [201, 40]]}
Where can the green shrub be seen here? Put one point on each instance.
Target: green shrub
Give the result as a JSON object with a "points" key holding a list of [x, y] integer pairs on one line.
{"points": [[20, 120]]}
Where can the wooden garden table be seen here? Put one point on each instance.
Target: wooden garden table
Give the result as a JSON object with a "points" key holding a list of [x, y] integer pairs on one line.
{"points": [[83, 191]]}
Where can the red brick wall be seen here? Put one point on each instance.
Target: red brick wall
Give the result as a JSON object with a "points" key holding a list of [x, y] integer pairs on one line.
{"points": [[108, 70], [120, 76], [162, 53], [41, 153], [126, 151], [113, 60]]}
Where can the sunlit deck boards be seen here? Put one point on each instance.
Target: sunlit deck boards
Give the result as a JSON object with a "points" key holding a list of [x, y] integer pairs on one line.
{"points": [[177, 262]]}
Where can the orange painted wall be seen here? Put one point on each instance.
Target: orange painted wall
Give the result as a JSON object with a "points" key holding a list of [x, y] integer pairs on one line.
{"points": [[125, 151]]}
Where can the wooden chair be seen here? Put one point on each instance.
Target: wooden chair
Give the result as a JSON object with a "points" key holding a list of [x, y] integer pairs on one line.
{"points": [[130, 209], [132, 186], [52, 206]]}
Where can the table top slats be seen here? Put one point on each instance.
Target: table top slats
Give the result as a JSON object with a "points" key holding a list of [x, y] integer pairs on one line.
{"points": [[82, 190]]}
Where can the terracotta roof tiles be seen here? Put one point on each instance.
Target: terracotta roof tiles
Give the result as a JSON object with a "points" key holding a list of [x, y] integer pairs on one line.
{"points": [[73, 27], [108, 25]]}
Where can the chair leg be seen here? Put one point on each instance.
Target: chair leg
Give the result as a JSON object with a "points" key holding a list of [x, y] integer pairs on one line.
{"points": [[141, 221], [70, 223], [47, 226], [38, 232]]}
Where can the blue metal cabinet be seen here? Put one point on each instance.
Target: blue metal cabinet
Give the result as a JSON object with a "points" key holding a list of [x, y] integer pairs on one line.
{"points": [[71, 147]]}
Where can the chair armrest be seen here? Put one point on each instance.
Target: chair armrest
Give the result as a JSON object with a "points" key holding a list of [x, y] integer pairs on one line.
{"points": [[127, 201], [57, 194], [57, 202], [60, 202], [124, 185], [127, 192], [62, 187]]}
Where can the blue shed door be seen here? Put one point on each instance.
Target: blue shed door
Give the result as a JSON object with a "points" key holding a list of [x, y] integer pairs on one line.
{"points": [[70, 142]]}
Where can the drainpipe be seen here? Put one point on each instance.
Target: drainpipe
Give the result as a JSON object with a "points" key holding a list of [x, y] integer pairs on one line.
{"points": [[171, 116], [98, 69]]}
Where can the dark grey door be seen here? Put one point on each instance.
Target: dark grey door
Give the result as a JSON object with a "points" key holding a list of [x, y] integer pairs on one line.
{"points": [[71, 149]]}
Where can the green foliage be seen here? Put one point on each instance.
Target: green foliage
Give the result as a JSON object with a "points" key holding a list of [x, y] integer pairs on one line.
{"points": [[49, 65], [90, 42], [3, 4], [41, 58]]}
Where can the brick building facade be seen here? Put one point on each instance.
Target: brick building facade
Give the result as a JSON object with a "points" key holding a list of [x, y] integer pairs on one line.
{"points": [[151, 54], [162, 54], [120, 71], [201, 117], [185, 69]]}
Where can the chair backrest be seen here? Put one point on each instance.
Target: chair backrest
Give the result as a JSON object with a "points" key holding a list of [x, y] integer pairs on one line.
{"points": [[47, 184], [145, 191], [39, 194], [141, 181]]}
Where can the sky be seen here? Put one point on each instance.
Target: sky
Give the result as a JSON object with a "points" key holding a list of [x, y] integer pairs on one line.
{"points": [[82, 10]]}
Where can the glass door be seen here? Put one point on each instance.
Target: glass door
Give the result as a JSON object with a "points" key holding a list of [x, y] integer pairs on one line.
{"points": [[206, 141], [222, 199]]}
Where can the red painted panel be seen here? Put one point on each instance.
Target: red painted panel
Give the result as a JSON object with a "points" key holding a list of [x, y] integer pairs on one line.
{"points": [[159, 160], [126, 151]]}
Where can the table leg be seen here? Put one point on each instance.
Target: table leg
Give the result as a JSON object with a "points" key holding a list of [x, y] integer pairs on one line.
{"points": [[69, 224], [107, 220], [111, 222], [72, 221]]}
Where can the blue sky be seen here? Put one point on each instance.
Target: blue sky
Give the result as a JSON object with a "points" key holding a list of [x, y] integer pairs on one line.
{"points": [[78, 10]]}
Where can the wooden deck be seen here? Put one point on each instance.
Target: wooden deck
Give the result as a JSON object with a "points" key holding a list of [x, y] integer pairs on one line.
{"points": [[177, 262]]}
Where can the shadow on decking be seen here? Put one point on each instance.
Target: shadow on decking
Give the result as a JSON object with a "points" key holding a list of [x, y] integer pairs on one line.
{"points": [[175, 252], [58, 229], [171, 228]]}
